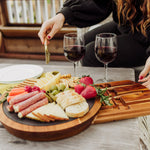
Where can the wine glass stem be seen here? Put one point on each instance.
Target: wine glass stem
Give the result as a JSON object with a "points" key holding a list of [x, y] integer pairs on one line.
{"points": [[74, 69], [106, 73]]}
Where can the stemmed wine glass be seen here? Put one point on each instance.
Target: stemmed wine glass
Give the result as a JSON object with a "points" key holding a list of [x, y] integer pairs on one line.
{"points": [[105, 50], [74, 48]]}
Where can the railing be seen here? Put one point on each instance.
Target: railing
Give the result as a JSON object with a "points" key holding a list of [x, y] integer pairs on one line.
{"points": [[20, 23], [32, 11]]}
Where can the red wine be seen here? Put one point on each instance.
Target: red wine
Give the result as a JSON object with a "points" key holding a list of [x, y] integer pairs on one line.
{"points": [[106, 54], [74, 52]]}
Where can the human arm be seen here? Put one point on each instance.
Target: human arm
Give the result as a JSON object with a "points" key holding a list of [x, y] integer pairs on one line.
{"points": [[80, 13], [83, 13], [144, 75], [51, 26]]}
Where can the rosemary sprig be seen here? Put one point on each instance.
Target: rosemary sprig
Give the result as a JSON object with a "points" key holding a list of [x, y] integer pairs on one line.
{"points": [[104, 98]]}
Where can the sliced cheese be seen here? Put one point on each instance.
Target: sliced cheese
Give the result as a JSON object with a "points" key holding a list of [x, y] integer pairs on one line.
{"points": [[31, 116], [69, 97], [47, 82], [77, 110], [49, 112]]}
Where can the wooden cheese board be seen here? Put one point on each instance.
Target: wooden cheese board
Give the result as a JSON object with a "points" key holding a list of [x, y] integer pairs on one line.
{"points": [[38, 131], [129, 100]]}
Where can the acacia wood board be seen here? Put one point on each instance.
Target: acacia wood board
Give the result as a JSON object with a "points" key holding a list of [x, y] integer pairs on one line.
{"points": [[129, 100], [40, 131]]}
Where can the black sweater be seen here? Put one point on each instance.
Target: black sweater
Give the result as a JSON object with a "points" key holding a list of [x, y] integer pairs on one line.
{"points": [[84, 13]]}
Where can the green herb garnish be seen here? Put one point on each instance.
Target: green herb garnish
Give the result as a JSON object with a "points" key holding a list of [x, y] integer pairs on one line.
{"points": [[104, 98]]}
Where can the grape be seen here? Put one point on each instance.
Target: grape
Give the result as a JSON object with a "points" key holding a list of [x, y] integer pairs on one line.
{"points": [[61, 87], [55, 92]]}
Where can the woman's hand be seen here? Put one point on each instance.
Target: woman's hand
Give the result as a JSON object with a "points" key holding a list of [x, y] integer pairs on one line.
{"points": [[50, 27], [144, 76]]}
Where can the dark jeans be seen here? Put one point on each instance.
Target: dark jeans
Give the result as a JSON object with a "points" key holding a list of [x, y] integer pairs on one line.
{"points": [[130, 53]]}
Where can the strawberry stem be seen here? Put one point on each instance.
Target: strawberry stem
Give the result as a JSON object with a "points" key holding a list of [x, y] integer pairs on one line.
{"points": [[85, 76]]}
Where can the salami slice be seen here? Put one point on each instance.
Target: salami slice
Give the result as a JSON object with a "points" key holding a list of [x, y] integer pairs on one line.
{"points": [[33, 107], [20, 98], [24, 104]]}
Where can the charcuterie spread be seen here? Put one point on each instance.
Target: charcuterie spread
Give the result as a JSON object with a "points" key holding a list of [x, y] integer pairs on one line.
{"points": [[52, 97]]}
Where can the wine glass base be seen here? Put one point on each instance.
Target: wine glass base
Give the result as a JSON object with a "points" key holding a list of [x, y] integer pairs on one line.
{"points": [[103, 80]]}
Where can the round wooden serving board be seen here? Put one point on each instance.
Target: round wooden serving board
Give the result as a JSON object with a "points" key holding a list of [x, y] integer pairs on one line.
{"points": [[37, 131]]}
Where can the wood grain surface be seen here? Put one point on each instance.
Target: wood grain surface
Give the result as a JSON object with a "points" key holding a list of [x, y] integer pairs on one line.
{"points": [[129, 99]]}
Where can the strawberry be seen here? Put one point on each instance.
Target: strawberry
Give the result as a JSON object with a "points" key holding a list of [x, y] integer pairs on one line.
{"points": [[79, 88], [89, 92], [87, 80]]}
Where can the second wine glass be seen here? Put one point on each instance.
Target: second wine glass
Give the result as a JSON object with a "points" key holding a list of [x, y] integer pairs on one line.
{"points": [[74, 48], [105, 51]]}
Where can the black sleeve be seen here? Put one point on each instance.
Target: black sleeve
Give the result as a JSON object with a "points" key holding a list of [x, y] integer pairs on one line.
{"points": [[83, 13], [148, 51], [148, 37]]}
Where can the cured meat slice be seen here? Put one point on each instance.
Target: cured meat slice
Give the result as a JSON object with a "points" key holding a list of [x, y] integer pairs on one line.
{"points": [[24, 104], [20, 98], [10, 108], [33, 107]]}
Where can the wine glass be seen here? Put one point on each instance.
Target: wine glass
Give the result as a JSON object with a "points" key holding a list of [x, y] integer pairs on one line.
{"points": [[74, 48], [105, 51]]}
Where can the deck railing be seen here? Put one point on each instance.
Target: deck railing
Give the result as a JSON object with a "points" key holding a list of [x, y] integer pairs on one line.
{"points": [[20, 23], [32, 11]]}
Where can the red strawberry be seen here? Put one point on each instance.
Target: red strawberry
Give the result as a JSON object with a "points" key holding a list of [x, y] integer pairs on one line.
{"points": [[86, 80], [79, 88], [89, 92]]}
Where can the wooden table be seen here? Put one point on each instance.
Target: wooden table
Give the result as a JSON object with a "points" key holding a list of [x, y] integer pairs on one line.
{"points": [[120, 135]]}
